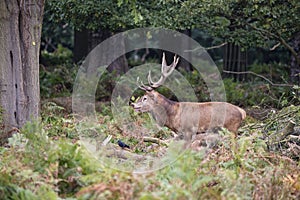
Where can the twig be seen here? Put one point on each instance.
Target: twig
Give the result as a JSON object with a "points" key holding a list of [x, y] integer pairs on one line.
{"points": [[275, 46], [280, 39], [278, 117], [264, 157], [261, 76], [293, 138], [217, 46], [106, 141], [145, 55], [207, 48]]}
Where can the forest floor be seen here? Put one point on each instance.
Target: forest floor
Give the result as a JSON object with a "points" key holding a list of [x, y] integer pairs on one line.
{"points": [[47, 160]]}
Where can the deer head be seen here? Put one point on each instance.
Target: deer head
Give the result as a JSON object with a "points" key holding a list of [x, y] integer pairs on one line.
{"points": [[147, 102]]}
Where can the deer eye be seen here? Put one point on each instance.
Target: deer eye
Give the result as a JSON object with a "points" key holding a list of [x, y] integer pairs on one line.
{"points": [[144, 99]]}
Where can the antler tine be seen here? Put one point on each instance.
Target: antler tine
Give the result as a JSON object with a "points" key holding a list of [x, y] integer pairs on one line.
{"points": [[163, 63], [165, 71], [142, 86], [172, 66]]}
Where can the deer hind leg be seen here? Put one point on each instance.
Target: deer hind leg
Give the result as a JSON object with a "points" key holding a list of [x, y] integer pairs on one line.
{"points": [[188, 136]]}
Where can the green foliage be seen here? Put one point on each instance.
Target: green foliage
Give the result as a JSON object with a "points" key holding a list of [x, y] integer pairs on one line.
{"points": [[56, 122], [43, 166], [92, 14], [55, 33], [277, 134], [20, 177], [257, 91], [198, 85], [57, 72], [61, 55], [244, 22], [276, 72], [106, 85], [259, 94]]}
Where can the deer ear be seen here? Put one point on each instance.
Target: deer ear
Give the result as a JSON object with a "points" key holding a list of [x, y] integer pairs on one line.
{"points": [[150, 94]]}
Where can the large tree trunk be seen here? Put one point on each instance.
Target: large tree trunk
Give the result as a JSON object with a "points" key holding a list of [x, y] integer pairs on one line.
{"points": [[20, 34]]}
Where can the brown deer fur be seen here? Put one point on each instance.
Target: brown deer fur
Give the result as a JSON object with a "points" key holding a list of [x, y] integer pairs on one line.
{"points": [[190, 117]]}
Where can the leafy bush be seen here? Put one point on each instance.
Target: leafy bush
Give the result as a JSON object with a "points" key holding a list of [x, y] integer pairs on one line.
{"points": [[276, 72], [105, 86], [58, 81], [61, 55], [260, 94], [56, 122], [43, 167], [57, 73]]}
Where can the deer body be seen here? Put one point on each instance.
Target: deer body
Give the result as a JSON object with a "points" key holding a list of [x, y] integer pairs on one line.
{"points": [[190, 117], [186, 118]]}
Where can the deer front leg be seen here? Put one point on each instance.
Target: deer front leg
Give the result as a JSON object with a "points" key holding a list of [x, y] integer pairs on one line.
{"points": [[187, 136]]}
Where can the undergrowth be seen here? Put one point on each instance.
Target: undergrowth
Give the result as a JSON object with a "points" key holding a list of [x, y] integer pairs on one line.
{"points": [[46, 161]]}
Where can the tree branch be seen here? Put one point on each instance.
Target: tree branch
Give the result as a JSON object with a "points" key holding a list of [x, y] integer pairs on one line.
{"points": [[261, 76], [280, 39], [207, 48], [275, 46], [216, 47]]}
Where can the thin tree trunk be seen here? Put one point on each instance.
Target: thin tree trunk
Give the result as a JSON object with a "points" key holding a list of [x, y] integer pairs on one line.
{"points": [[295, 66], [185, 45], [81, 44], [90, 39], [20, 34], [234, 60]]}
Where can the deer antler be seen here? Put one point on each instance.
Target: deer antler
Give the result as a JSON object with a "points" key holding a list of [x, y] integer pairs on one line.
{"points": [[142, 86], [165, 72]]}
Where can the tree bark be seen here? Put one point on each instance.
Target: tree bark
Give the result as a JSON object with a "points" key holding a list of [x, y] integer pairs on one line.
{"points": [[20, 34]]}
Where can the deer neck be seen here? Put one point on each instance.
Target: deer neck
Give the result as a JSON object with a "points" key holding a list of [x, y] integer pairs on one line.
{"points": [[164, 111]]}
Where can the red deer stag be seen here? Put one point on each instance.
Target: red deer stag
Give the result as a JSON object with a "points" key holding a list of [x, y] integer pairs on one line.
{"points": [[186, 118]]}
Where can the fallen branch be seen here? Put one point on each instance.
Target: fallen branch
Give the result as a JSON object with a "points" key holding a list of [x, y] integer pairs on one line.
{"points": [[261, 76], [294, 138], [279, 136], [288, 130], [155, 140], [107, 140]]}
